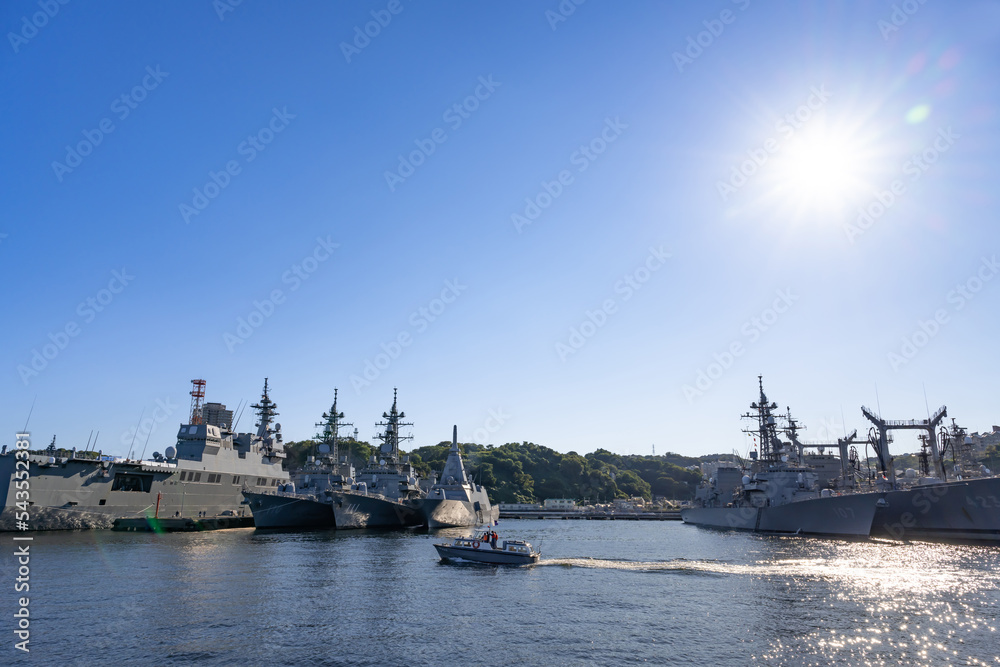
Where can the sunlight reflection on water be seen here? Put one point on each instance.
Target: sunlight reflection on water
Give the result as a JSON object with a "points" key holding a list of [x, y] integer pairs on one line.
{"points": [[919, 603]]}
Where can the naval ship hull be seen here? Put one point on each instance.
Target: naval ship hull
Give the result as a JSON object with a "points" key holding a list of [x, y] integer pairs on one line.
{"points": [[965, 511], [289, 511], [352, 510], [85, 494], [848, 515], [442, 513]]}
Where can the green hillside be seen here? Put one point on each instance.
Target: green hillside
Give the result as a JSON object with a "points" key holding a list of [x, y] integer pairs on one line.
{"points": [[526, 472]]}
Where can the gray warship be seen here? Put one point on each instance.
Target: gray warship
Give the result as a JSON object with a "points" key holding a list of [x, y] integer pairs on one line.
{"points": [[306, 500], [774, 496], [386, 490], [956, 503], [455, 500], [202, 475], [939, 501]]}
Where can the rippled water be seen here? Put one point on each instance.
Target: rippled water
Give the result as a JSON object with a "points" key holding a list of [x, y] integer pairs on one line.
{"points": [[604, 593]]}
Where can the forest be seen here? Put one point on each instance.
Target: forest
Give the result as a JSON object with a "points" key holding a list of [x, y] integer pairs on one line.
{"points": [[528, 473]]}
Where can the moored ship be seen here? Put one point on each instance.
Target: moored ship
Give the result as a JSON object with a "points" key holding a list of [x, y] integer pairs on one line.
{"points": [[202, 475], [455, 500], [774, 496], [306, 500], [960, 504], [386, 490]]}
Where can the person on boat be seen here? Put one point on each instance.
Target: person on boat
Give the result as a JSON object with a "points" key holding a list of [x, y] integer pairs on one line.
{"points": [[493, 539]]}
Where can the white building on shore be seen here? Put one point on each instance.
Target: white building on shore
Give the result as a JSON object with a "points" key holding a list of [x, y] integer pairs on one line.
{"points": [[519, 507], [560, 505]]}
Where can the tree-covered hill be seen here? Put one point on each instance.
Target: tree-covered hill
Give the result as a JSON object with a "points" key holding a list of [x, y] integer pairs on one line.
{"points": [[526, 472]]}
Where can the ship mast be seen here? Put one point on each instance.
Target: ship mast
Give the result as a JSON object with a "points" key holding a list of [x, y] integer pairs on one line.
{"points": [[791, 429], [390, 437], [266, 412], [766, 426], [331, 428]]}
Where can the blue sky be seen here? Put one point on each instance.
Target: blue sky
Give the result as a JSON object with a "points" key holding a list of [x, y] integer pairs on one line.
{"points": [[581, 225]]}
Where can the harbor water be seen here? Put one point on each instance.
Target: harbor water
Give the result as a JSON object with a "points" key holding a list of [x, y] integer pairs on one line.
{"points": [[614, 592]]}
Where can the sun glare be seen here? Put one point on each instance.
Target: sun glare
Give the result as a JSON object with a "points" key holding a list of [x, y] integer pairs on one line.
{"points": [[818, 170]]}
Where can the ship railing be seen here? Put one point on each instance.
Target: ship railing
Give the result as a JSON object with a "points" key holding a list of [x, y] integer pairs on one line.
{"points": [[906, 422]]}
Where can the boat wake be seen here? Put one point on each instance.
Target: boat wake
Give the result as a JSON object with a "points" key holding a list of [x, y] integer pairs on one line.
{"points": [[678, 565], [859, 573]]}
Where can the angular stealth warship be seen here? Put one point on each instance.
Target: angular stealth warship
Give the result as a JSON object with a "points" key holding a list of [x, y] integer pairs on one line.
{"points": [[306, 501], [201, 476], [455, 500], [386, 489], [774, 496]]}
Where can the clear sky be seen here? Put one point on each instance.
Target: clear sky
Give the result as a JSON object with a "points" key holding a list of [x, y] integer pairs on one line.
{"points": [[581, 225]]}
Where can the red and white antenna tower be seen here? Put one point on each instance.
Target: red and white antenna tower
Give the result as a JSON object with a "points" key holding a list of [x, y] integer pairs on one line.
{"points": [[197, 396]]}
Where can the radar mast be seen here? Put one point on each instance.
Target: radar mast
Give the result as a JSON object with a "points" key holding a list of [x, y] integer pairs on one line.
{"points": [[389, 450], [766, 429], [331, 430]]}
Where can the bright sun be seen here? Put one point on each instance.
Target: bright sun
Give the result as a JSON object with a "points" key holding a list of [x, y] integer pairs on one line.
{"points": [[818, 170]]}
